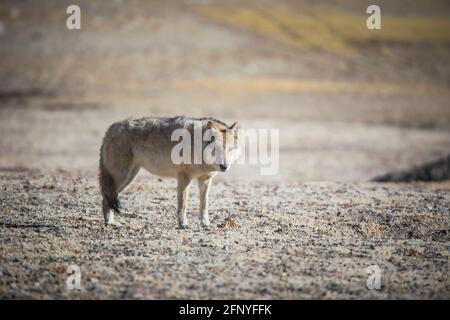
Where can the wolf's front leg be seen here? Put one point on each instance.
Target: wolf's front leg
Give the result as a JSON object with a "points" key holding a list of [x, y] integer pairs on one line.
{"points": [[204, 184], [183, 195]]}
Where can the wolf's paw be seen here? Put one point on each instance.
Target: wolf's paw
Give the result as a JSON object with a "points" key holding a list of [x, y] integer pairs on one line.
{"points": [[183, 225], [113, 223], [206, 224]]}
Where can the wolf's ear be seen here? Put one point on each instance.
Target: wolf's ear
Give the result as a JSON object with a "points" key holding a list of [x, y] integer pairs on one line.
{"points": [[235, 129], [211, 125], [234, 126]]}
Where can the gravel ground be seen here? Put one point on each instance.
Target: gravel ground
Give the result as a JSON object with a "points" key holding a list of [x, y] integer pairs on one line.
{"points": [[293, 240]]}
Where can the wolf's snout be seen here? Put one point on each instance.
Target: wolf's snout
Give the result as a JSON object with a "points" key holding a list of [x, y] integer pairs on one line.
{"points": [[224, 167]]}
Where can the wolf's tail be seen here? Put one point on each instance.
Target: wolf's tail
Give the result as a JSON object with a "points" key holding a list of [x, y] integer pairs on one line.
{"points": [[107, 187]]}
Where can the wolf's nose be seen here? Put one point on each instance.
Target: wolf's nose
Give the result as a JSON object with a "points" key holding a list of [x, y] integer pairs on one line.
{"points": [[223, 167]]}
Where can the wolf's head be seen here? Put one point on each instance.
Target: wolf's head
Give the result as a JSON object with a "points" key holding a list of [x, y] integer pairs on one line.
{"points": [[224, 148]]}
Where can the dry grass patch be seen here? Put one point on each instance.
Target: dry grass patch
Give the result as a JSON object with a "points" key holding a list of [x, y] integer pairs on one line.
{"points": [[271, 84], [325, 28]]}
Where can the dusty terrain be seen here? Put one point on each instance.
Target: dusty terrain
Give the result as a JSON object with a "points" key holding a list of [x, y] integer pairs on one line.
{"points": [[350, 104], [295, 240]]}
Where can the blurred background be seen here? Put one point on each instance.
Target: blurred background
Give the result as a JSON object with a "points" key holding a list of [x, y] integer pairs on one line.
{"points": [[351, 103]]}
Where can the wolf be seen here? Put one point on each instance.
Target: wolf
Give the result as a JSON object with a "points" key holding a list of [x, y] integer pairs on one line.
{"points": [[136, 143]]}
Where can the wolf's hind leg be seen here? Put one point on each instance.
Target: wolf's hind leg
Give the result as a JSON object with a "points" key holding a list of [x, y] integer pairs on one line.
{"points": [[131, 175], [108, 214], [109, 217], [120, 180]]}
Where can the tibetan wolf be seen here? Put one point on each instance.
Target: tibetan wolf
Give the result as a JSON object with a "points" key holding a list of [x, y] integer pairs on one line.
{"points": [[148, 143]]}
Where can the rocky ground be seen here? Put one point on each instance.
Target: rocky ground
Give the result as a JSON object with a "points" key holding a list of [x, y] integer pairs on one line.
{"points": [[291, 241]]}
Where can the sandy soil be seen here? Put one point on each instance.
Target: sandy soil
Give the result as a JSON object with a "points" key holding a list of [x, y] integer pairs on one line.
{"points": [[308, 232], [294, 240]]}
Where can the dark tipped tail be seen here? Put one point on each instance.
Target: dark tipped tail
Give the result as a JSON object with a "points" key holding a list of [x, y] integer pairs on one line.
{"points": [[107, 187]]}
